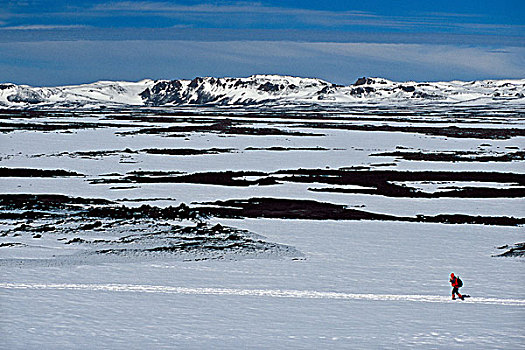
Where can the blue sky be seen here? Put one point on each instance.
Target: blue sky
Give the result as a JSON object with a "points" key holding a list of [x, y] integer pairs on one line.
{"points": [[45, 42]]}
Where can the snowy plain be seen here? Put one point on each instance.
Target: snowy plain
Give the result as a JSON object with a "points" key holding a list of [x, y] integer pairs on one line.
{"points": [[351, 284], [409, 261]]}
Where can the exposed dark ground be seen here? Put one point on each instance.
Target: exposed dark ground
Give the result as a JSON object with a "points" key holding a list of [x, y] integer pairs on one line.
{"points": [[143, 232], [517, 250], [454, 156], [182, 229], [375, 182]]}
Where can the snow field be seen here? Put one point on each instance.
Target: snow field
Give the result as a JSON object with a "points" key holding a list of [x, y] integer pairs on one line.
{"points": [[364, 284]]}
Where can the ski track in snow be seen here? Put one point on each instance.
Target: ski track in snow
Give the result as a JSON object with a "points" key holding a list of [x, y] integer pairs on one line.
{"points": [[273, 293]]}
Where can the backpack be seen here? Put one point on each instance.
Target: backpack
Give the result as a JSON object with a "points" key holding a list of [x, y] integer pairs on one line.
{"points": [[460, 282]]}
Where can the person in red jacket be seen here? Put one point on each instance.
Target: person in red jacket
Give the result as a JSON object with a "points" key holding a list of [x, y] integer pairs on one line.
{"points": [[455, 287]]}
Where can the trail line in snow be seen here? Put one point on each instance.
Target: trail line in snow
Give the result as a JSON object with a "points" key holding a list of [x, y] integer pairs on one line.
{"points": [[273, 293]]}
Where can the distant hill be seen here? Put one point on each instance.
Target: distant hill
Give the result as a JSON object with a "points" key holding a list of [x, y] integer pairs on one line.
{"points": [[257, 90]]}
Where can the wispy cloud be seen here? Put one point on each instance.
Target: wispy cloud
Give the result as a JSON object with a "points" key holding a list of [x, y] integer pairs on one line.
{"points": [[65, 62], [259, 15], [43, 27], [251, 14], [213, 8], [453, 14], [255, 12]]}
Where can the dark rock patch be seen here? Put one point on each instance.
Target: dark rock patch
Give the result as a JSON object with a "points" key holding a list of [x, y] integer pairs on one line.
{"points": [[154, 173], [11, 244], [407, 88], [91, 226], [186, 151], [6, 86], [363, 81], [448, 131], [282, 149], [270, 87], [180, 212], [517, 250], [199, 238], [101, 153], [226, 178], [362, 90], [455, 156], [158, 151], [145, 199], [406, 191], [285, 209], [43, 228], [76, 240], [46, 202], [226, 126], [28, 172], [279, 208], [145, 232], [123, 187], [27, 96]]}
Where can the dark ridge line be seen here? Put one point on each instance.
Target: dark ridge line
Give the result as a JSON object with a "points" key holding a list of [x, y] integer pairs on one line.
{"points": [[456, 156], [283, 149], [187, 151], [154, 199], [227, 178], [30, 172], [155, 151], [364, 177], [448, 131], [464, 192], [45, 206], [154, 173], [225, 126], [279, 208]]}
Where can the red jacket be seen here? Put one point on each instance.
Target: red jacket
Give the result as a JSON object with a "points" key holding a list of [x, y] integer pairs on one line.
{"points": [[454, 282]]}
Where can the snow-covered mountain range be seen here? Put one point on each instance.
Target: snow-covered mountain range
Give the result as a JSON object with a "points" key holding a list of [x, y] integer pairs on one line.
{"points": [[256, 90]]}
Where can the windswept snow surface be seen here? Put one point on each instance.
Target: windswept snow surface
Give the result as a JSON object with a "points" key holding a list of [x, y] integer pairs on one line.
{"points": [[272, 293], [363, 285]]}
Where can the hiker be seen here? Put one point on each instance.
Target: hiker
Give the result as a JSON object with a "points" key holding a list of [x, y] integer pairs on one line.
{"points": [[456, 284]]}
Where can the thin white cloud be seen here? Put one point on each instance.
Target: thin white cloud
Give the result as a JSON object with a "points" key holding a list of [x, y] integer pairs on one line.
{"points": [[222, 12], [43, 27], [453, 14], [214, 8], [255, 12], [249, 14]]}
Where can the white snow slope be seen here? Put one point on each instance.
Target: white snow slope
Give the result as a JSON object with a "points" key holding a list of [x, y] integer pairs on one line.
{"points": [[257, 89]]}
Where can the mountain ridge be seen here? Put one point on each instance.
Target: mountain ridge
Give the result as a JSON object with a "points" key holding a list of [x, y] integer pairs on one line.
{"points": [[257, 90]]}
